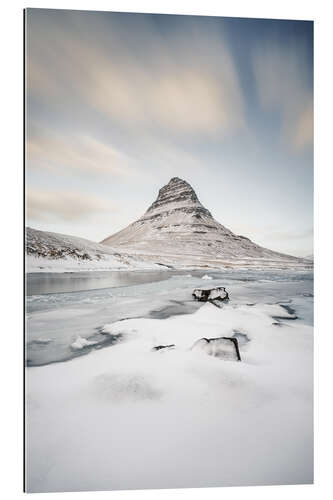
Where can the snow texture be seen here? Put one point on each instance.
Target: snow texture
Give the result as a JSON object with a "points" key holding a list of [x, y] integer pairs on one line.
{"points": [[55, 252], [132, 417], [80, 343]]}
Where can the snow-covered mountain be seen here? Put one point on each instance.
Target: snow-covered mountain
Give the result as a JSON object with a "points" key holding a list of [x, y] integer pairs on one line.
{"points": [[59, 252], [178, 229]]}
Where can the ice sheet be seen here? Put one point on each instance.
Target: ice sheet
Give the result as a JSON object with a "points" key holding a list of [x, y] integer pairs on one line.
{"points": [[62, 317], [129, 417]]}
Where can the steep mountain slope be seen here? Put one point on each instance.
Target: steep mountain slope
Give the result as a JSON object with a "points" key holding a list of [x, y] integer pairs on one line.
{"points": [[178, 229]]}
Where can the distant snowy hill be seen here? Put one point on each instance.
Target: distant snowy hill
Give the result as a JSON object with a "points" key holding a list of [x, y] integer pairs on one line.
{"points": [[177, 229], [59, 252]]}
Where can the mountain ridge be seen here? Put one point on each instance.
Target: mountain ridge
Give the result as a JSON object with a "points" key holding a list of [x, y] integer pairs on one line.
{"points": [[176, 231], [177, 224]]}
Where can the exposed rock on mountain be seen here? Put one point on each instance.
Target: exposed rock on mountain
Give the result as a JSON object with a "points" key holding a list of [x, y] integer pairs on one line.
{"points": [[178, 229]]}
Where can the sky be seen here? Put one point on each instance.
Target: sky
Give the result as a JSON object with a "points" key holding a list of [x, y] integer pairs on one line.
{"points": [[117, 104]]}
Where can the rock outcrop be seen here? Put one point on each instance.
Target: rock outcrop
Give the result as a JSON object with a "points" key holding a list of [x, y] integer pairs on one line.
{"points": [[208, 294], [221, 347]]}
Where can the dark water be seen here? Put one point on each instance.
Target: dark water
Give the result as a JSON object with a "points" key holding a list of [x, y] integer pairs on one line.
{"points": [[46, 283], [41, 283]]}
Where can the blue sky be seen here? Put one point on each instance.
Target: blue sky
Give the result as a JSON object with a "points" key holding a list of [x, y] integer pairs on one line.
{"points": [[117, 104]]}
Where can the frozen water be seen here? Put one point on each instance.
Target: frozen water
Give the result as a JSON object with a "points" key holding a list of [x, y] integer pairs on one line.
{"points": [[197, 420], [63, 317]]}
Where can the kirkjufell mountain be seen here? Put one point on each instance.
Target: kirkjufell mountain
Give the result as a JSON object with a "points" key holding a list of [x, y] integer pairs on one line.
{"points": [[178, 229]]}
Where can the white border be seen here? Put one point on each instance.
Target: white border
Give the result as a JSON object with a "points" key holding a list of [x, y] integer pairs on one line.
{"points": [[11, 236]]}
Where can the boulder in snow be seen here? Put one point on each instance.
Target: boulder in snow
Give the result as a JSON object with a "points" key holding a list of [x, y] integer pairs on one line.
{"points": [[221, 347], [206, 294]]}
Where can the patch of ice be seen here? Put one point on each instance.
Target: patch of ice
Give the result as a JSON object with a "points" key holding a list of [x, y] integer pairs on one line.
{"points": [[81, 342], [42, 341]]}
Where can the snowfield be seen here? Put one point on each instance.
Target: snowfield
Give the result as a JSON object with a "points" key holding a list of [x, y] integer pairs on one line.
{"points": [[130, 417], [55, 252], [36, 264]]}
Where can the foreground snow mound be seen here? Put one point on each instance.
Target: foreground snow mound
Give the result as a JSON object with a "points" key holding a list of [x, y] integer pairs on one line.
{"points": [[201, 420]]}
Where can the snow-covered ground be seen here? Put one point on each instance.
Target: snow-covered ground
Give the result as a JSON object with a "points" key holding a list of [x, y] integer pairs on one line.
{"points": [[54, 252], [127, 416], [36, 264]]}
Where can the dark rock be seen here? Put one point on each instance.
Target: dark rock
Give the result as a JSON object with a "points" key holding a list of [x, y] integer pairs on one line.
{"points": [[159, 347], [164, 265], [206, 294], [221, 347], [291, 313]]}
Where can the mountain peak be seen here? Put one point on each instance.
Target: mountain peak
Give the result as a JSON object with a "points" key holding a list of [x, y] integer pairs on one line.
{"points": [[176, 179], [178, 228], [177, 195]]}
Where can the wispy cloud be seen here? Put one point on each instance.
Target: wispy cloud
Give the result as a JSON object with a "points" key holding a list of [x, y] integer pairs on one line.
{"points": [[67, 205], [303, 134], [119, 103], [138, 79], [285, 87], [47, 148]]}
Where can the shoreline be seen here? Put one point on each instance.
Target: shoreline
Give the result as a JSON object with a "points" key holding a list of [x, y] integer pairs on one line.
{"points": [[54, 318]]}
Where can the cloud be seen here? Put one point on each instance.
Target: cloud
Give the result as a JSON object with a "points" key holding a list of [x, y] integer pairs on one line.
{"points": [[304, 128], [135, 77], [47, 148], [182, 99], [69, 206], [284, 86]]}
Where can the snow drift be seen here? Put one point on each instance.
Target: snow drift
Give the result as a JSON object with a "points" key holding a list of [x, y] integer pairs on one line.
{"points": [[129, 417]]}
